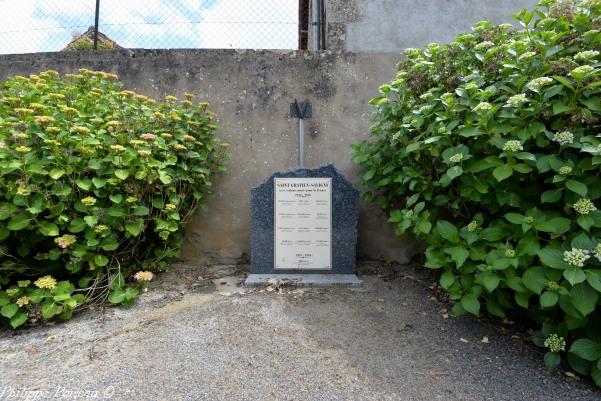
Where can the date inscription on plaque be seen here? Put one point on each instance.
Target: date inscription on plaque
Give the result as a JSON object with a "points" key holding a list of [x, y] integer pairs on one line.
{"points": [[303, 223]]}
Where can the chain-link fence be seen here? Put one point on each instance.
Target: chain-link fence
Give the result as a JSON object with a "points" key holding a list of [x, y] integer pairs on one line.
{"points": [[30, 26]]}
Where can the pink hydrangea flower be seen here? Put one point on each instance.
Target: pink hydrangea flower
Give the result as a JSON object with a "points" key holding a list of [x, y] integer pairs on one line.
{"points": [[143, 276], [148, 136]]}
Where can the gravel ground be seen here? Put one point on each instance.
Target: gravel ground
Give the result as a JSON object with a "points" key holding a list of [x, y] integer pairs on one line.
{"points": [[213, 340]]}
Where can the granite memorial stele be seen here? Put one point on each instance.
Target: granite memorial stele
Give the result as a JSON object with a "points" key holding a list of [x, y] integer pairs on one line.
{"points": [[304, 229]]}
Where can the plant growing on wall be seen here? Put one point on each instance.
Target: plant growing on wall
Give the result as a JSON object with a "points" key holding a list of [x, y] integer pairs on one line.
{"points": [[96, 183], [489, 150]]}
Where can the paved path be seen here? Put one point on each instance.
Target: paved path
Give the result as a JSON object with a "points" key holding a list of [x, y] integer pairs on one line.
{"points": [[385, 341]]}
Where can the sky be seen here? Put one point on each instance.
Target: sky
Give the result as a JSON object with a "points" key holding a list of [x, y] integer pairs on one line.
{"points": [[29, 26]]}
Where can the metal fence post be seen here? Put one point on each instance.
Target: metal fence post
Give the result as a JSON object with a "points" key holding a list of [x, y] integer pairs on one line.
{"points": [[315, 20], [96, 25]]}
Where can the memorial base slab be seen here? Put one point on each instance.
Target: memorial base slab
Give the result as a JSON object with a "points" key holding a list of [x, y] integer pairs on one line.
{"points": [[305, 280]]}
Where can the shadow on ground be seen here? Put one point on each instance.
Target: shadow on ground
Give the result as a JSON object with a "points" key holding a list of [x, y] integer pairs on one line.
{"points": [[199, 336]]}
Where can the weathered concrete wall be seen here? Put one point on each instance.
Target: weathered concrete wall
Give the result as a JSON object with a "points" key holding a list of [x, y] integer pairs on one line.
{"points": [[393, 25], [251, 91]]}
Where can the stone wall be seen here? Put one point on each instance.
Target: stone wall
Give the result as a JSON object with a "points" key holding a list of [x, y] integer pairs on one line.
{"points": [[251, 91], [393, 25]]}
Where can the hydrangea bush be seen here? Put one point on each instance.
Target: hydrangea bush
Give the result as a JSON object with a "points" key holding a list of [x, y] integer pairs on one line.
{"points": [[96, 183], [489, 150]]}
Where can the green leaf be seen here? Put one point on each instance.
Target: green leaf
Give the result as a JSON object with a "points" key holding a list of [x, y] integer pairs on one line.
{"points": [[552, 257], [548, 299], [77, 225], [490, 281], [61, 297], [434, 258], [99, 182], [586, 349], [122, 174], [454, 172], [101, 260], [116, 198], [574, 275], [48, 229], [534, 279], [521, 299], [459, 255], [4, 298], [117, 296], [109, 244], [494, 309], [560, 107], [470, 303], [583, 298], [18, 320], [551, 196], [585, 221], [593, 278], [596, 374], [577, 187], [447, 278], [84, 183], [165, 178], [447, 231], [564, 81], [528, 246], [514, 218], [522, 168], [91, 221], [131, 293], [579, 365], [502, 172], [115, 211], [49, 310], [141, 211], [469, 131], [18, 222], [135, 228], [9, 310], [552, 359], [557, 225], [56, 173], [492, 234], [369, 174]]}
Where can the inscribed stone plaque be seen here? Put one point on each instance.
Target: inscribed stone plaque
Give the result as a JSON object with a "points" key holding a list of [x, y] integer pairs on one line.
{"points": [[343, 208], [303, 223]]}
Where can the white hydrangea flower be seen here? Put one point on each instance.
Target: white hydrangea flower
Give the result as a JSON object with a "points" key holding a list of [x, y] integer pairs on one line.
{"points": [[516, 100], [597, 252], [586, 55], [513, 146], [576, 257], [484, 45], [424, 109], [411, 52], [472, 226], [565, 170], [584, 206], [584, 69], [471, 86], [483, 106], [563, 137], [456, 158], [555, 343], [537, 83], [527, 55]]}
